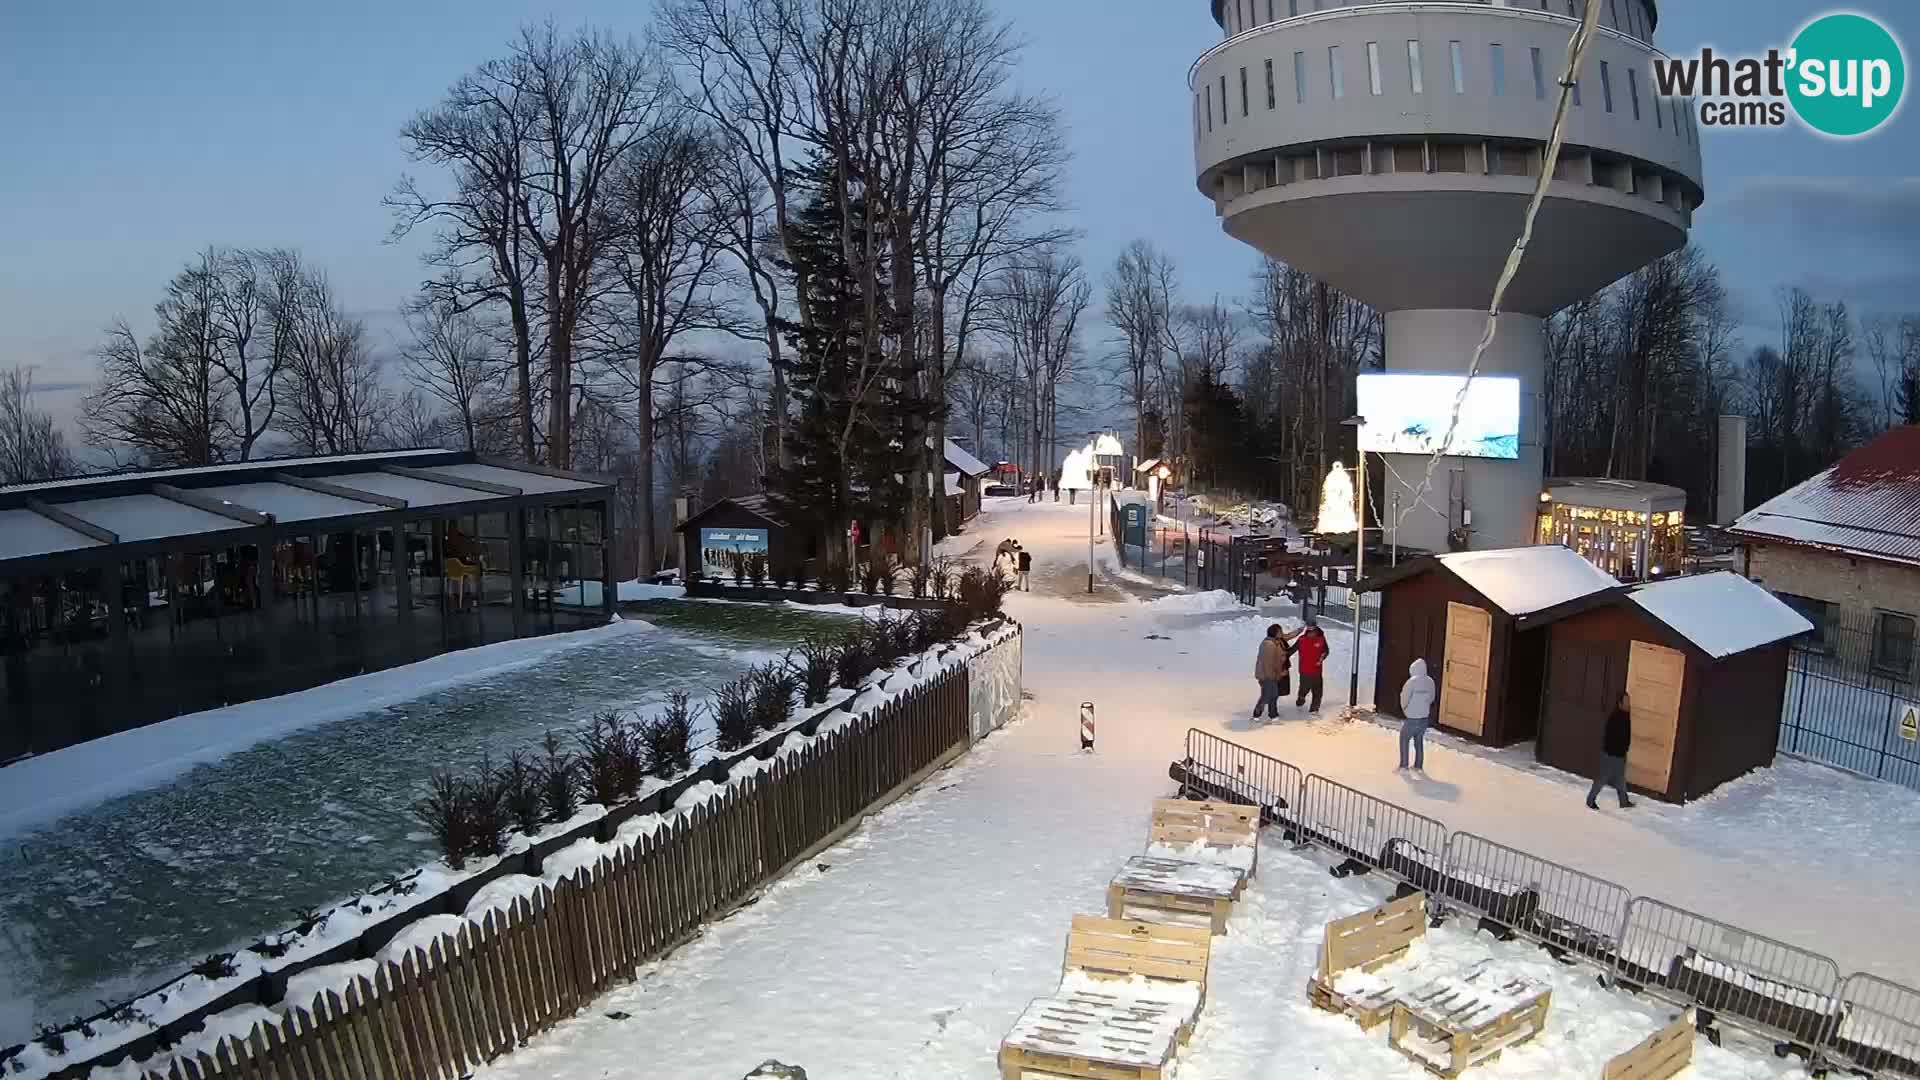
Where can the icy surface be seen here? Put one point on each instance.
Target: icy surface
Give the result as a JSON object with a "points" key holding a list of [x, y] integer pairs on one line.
{"points": [[1528, 579], [1722, 613]]}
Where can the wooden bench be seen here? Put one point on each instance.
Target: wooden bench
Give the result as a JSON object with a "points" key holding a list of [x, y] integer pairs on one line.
{"points": [[1207, 832], [1660, 1055], [1359, 945], [1176, 891], [1130, 993], [1456, 1022]]}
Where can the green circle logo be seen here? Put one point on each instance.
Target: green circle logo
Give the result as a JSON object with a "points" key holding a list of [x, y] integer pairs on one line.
{"points": [[1847, 75]]}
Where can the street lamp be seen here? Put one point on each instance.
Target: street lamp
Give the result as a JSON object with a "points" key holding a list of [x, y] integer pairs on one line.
{"points": [[1093, 443], [1358, 424]]}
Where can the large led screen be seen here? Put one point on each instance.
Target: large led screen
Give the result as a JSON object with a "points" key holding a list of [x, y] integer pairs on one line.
{"points": [[1409, 414]]}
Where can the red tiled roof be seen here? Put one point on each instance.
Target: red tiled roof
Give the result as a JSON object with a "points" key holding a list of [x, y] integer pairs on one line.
{"points": [[1867, 504]]}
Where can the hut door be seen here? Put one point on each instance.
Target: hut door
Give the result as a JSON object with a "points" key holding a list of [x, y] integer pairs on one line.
{"points": [[1655, 675], [1463, 691]]}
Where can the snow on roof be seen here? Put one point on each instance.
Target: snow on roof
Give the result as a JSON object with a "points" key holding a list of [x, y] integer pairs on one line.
{"points": [[24, 533], [1868, 503], [1146, 465], [288, 503], [1721, 613], [1108, 446], [953, 484], [965, 462], [1528, 579]]}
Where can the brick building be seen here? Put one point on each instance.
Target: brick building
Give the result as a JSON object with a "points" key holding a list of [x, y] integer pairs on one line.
{"points": [[1843, 549]]}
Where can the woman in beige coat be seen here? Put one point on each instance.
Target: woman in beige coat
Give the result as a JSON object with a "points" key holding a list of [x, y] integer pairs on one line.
{"points": [[1272, 668]]}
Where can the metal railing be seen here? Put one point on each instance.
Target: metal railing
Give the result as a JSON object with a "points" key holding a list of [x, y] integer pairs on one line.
{"points": [[1217, 768], [1879, 1030], [1766, 986], [1792, 996], [1566, 911], [1369, 830]]}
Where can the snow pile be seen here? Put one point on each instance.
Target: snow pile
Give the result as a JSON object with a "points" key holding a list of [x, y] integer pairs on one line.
{"points": [[631, 591], [1184, 997], [1207, 603], [1240, 857], [1528, 579], [1722, 613]]}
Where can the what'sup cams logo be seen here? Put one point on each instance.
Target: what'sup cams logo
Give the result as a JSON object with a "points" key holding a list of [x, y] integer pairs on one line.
{"points": [[1843, 76]]}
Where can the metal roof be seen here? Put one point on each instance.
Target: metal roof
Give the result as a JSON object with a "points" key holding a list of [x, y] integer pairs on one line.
{"points": [[1608, 493], [165, 510], [1867, 504], [965, 462]]}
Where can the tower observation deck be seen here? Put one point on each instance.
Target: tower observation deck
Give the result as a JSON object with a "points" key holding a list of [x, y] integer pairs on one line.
{"points": [[1390, 148]]}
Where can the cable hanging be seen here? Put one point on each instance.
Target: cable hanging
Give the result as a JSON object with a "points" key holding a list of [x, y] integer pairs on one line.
{"points": [[1576, 52]]}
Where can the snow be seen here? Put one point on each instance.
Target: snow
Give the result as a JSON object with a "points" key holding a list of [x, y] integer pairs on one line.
{"points": [[1722, 613], [288, 503], [630, 591], [953, 484], [1115, 1031], [958, 457], [47, 786], [915, 944], [1528, 579], [1184, 997], [1240, 856], [1180, 877], [1211, 602]]}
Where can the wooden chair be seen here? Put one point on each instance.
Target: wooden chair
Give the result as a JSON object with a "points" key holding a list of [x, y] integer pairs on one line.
{"points": [[1130, 993], [1208, 831], [1660, 1055], [1364, 944]]}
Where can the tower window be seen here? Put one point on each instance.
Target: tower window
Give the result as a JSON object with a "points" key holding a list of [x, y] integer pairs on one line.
{"points": [[1224, 114], [1373, 66], [1334, 74], [1243, 91], [1413, 67], [1499, 70], [1209, 90], [1606, 85], [1300, 78], [1633, 91], [1270, 101], [1459, 72], [1539, 78]]}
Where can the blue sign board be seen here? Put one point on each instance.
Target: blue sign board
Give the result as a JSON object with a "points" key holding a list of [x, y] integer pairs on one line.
{"points": [[722, 549]]}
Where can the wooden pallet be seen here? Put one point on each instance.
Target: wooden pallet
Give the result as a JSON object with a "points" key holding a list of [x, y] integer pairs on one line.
{"points": [[1175, 892], [1367, 942], [1086, 1036], [1129, 958], [1660, 1055], [1455, 1023], [1221, 826]]}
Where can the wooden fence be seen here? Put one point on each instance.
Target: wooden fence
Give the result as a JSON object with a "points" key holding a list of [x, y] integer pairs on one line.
{"points": [[500, 979]]}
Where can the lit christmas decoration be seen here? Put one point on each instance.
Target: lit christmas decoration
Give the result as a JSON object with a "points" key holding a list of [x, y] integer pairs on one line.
{"points": [[1336, 503]]}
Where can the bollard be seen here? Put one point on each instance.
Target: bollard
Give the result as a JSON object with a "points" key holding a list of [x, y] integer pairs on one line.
{"points": [[1086, 725]]}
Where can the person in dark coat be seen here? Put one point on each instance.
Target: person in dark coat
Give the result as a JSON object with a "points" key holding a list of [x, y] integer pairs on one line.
{"points": [[1026, 568], [1614, 744]]}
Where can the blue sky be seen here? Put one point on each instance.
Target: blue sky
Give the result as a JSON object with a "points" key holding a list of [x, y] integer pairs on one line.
{"points": [[136, 133]]}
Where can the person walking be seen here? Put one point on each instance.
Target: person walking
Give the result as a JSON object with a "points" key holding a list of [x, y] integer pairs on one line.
{"points": [[1272, 667], [1614, 744], [1416, 705], [1313, 659], [1026, 568]]}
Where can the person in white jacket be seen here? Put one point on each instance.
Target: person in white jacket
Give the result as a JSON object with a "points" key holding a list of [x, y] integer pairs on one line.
{"points": [[1416, 704]]}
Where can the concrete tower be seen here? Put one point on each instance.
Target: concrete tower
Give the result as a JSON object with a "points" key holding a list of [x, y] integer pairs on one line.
{"points": [[1389, 147]]}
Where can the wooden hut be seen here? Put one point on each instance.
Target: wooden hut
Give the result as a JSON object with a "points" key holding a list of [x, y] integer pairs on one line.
{"points": [[1458, 612], [965, 481], [1705, 661], [749, 525]]}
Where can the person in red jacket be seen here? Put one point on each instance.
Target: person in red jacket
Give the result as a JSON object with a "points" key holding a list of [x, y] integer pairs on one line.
{"points": [[1313, 658]]}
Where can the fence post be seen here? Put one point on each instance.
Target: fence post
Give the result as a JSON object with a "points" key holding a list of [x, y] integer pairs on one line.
{"points": [[1886, 733]]}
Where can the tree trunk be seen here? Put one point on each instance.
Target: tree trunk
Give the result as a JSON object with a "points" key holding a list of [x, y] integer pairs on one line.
{"points": [[559, 379], [643, 478]]}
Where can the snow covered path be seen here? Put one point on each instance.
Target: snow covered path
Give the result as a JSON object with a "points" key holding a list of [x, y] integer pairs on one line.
{"points": [[908, 950]]}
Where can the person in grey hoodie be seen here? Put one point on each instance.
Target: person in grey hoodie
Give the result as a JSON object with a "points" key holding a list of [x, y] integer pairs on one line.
{"points": [[1416, 705]]}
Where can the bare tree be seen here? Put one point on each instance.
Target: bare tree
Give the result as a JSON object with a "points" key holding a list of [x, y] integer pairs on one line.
{"points": [[1893, 347], [331, 384], [165, 401], [32, 447], [1036, 310], [665, 233], [974, 388], [414, 422], [247, 349], [1140, 291], [452, 359]]}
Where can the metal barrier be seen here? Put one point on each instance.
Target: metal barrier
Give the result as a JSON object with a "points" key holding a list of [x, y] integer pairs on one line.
{"points": [[1367, 830], [1563, 909], [1880, 1029], [1222, 769], [1754, 982]]}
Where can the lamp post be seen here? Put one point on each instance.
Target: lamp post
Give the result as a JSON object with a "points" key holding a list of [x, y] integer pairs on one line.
{"points": [[1358, 424], [1093, 443]]}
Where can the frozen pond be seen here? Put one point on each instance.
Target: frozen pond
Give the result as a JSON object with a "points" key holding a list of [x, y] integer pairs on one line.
{"points": [[128, 892]]}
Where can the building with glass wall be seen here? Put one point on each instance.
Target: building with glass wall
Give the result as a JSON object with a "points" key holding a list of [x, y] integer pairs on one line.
{"points": [[131, 598]]}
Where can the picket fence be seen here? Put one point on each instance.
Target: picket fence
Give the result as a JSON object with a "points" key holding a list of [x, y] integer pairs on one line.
{"points": [[1794, 997], [441, 1010]]}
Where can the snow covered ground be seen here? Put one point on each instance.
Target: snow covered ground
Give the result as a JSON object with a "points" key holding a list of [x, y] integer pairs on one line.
{"points": [[908, 950]]}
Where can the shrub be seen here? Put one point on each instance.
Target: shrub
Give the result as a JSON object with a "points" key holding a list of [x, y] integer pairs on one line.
{"points": [[610, 758], [757, 570], [854, 661], [925, 629], [521, 783], [772, 696], [814, 662], [487, 808], [733, 718], [890, 641], [920, 579], [981, 593], [447, 814], [870, 574], [559, 781], [942, 579], [666, 740]]}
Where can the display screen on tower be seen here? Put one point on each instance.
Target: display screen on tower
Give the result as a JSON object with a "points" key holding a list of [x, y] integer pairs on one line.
{"points": [[1410, 414]]}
